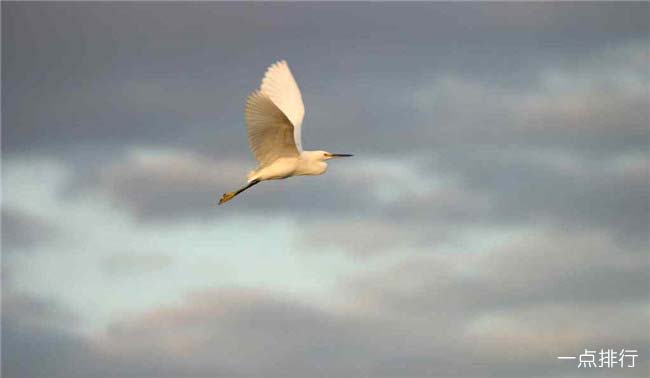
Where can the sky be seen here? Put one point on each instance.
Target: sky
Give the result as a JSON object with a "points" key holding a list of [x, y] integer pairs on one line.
{"points": [[494, 217]]}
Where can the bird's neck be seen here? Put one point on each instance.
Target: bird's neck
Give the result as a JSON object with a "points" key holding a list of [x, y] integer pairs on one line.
{"points": [[310, 155], [311, 164]]}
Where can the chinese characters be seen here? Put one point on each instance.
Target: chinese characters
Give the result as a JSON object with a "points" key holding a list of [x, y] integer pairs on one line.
{"points": [[605, 358]]}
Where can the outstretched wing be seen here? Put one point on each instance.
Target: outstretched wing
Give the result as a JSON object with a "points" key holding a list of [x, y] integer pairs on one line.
{"points": [[270, 132], [280, 86]]}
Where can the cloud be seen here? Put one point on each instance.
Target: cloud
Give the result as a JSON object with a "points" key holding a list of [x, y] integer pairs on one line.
{"points": [[169, 183], [229, 329], [38, 340], [566, 148], [576, 194], [30, 311], [21, 230], [147, 82], [362, 238], [555, 267], [129, 264], [484, 189], [510, 312], [595, 105], [521, 304]]}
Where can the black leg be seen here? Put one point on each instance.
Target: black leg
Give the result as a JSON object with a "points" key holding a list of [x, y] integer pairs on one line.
{"points": [[250, 184]]}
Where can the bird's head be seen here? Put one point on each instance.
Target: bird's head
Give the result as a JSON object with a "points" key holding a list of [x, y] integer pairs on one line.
{"points": [[324, 155]]}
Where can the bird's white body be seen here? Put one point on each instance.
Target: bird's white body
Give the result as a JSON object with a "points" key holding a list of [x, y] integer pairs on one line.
{"points": [[308, 163], [274, 115]]}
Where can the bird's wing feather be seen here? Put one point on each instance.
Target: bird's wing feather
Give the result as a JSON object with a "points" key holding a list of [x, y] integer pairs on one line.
{"points": [[270, 132], [280, 86]]}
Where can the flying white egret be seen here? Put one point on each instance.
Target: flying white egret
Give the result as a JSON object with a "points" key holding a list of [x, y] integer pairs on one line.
{"points": [[274, 115]]}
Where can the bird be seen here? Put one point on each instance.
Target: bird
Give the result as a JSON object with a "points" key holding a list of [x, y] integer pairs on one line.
{"points": [[273, 116]]}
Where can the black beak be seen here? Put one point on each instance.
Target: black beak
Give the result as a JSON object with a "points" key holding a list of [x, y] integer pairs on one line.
{"points": [[342, 155]]}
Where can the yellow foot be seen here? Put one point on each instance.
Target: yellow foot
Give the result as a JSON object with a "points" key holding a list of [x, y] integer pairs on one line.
{"points": [[226, 197]]}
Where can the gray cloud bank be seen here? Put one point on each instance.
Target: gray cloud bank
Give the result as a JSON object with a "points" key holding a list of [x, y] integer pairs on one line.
{"points": [[126, 78], [508, 313], [21, 230]]}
